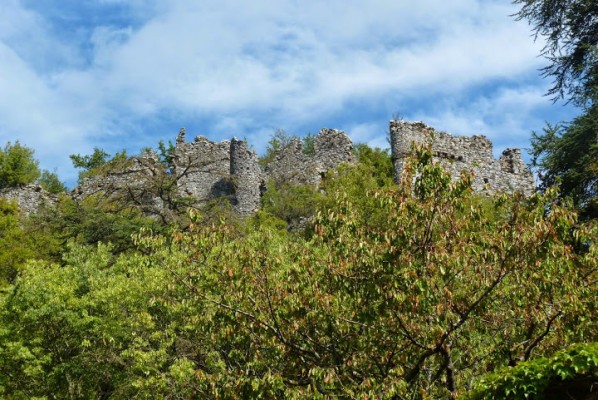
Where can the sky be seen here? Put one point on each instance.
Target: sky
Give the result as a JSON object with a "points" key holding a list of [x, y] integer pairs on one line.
{"points": [[125, 74]]}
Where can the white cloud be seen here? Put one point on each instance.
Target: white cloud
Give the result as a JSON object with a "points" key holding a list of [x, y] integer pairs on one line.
{"points": [[257, 66]]}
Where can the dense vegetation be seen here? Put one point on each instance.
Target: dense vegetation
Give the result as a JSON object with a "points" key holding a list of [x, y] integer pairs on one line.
{"points": [[406, 291], [360, 288], [567, 153]]}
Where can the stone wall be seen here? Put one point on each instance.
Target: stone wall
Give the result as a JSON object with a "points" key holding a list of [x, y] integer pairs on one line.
{"points": [[30, 198], [471, 153], [331, 148], [204, 170], [246, 176]]}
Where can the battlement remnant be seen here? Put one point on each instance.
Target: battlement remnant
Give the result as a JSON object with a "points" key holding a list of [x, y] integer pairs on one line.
{"points": [[332, 147], [457, 153]]}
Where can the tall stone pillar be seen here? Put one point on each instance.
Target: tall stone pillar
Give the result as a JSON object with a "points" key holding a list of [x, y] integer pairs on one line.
{"points": [[246, 174]]}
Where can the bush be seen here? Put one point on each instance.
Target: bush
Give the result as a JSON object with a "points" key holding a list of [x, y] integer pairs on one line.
{"points": [[568, 374]]}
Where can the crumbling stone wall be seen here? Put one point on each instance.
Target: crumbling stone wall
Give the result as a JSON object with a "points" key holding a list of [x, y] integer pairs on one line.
{"points": [[246, 176], [135, 182], [457, 153], [202, 168], [331, 148], [30, 198]]}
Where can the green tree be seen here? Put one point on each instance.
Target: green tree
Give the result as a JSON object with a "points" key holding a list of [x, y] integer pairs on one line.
{"points": [[89, 222], [17, 165], [567, 155], [167, 154], [50, 182], [16, 246], [289, 201], [571, 30], [88, 162], [98, 162], [379, 160], [308, 144], [419, 305], [281, 139]]}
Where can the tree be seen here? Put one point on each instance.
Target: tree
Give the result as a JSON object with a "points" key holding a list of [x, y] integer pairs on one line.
{"points": [[50, 182], [88, 222], [281, 139], [17, 165], [16, 246], [379, 160], [571, 30], [419, 305], [167, 154], [567, 155], [98, 162]]}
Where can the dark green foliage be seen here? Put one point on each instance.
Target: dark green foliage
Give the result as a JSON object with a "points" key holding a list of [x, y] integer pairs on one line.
{"points": [[567, 155], [90, 162], [50, 182], [568, 374], [166, 154], [308, 144], [379, 162], [571, 30], [89, 222], [98, 163], [16, 246], [17, 166], [289, 202]]}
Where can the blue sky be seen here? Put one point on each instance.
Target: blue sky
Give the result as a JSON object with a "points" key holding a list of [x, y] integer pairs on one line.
{"points": [[125, 74]]}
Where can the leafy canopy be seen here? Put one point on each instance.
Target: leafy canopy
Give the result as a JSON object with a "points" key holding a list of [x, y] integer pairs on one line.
{"points": [[17, 165], [98, 162], [567, 155], [413, 291], [571, 30]]}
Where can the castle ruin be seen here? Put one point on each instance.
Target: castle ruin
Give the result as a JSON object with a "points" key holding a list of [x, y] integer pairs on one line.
{"points": [[458, 153], [203, 170]]}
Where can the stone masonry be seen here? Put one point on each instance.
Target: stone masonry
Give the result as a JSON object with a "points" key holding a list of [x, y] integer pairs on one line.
{"points": [[246, 177], [30, 198], [457, 153], [203, 170], [331, 148]]}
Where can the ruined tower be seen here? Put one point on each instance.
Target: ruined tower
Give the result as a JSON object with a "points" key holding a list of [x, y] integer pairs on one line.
{"points": [[458, 153], [246, 176]]}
